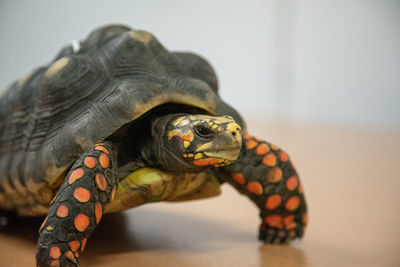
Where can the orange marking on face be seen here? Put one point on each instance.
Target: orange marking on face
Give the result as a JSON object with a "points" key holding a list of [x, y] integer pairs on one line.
{"points": [[75, 175], [274, 221], [274, 175], [291, 182], [262, 149], [304, 218], [300, 189], [113, 192], [62, 211], [100, 144], [255, 188], [43, 224], [103, 149], [269, 160], [98, 211], [205, 162], [183, 136], [89, 162], [284, 156], [250, 144], [292, 203], [247, 136], [83, 244], [69, 255], [275, 147], [82, 194], [101, 182], [104, 161], [239, 178], [273, 202], [289, 222], [74, 245], [55, 263], [55, 252], [81, 222]]}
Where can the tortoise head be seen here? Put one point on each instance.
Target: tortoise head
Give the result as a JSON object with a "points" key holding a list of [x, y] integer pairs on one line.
{"points": [[193, 142]]}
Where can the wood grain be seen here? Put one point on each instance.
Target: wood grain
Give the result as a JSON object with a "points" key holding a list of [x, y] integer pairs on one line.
{"points": [[351, 179]]}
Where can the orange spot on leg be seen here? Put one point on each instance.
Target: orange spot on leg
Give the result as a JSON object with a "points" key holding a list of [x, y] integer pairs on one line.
{"points": [[82, 194], [55, 252], [284, 156], [104, 161], [255, 188], [55, 263], [103, 149], [81, 222], [269, 160], [292, 203], [247, 136], [89, 162], [289, 222], [304, 218], [274, 175], [74, 245], [75, 175], [98, 211], [83, 244], [250, 144], [62, 211], [239, 178], [262, 149], [274, 221], [43, 224], [69, 255], [101, 182], [273, 202], [113, 192], [291, 183]]}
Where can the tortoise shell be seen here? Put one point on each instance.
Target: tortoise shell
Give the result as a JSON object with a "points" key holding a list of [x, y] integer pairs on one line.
{"points": [[54, 114]]}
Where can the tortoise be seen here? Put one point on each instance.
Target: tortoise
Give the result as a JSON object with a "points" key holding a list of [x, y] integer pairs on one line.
{"points": [[117, 121]]}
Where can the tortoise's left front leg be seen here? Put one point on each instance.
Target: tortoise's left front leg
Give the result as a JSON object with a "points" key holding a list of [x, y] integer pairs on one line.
{"points": [[78, 207], [266, 175]]}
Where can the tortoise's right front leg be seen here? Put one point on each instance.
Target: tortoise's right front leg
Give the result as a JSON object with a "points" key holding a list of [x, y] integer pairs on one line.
{"points": [[78, 207]]}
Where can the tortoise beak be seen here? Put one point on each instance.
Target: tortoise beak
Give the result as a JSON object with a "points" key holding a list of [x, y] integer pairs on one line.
{"points": [[226, 146]]}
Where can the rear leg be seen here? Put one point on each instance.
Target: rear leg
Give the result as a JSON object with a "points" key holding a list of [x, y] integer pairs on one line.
{"points": [[77, 207], [264, 173]]}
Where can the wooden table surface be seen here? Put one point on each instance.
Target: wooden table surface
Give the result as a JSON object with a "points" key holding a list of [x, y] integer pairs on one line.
{"points": [[351, 179]]}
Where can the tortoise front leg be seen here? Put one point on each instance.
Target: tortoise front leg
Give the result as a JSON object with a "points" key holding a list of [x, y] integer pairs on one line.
{"points": [[78, 207], [265, 174]]}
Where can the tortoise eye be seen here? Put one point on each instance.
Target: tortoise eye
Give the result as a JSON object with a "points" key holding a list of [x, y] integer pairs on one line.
{"points": [[204, 131]]}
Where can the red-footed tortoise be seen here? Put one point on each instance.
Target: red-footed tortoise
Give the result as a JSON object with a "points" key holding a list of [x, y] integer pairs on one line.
{"points": [[116, 121]]}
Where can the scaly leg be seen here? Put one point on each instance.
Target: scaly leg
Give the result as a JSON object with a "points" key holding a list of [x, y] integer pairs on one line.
{"points": [[265, 174], [77, 207]]}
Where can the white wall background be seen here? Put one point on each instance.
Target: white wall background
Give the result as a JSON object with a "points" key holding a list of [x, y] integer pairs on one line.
{"points": [[331, 61]]}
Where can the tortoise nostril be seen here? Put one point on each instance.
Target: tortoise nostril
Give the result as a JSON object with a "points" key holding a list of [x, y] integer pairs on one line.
{"points": [[234, 133]]}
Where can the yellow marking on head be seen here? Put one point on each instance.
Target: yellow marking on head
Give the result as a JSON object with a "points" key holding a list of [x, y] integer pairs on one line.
{"points": [[210, 124], [233, 127], [190, 155], [49, 228], [214, 126], [141, 36], [186, 143], [177, 121], [192, 117], [57, 66], [198, 156]]}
